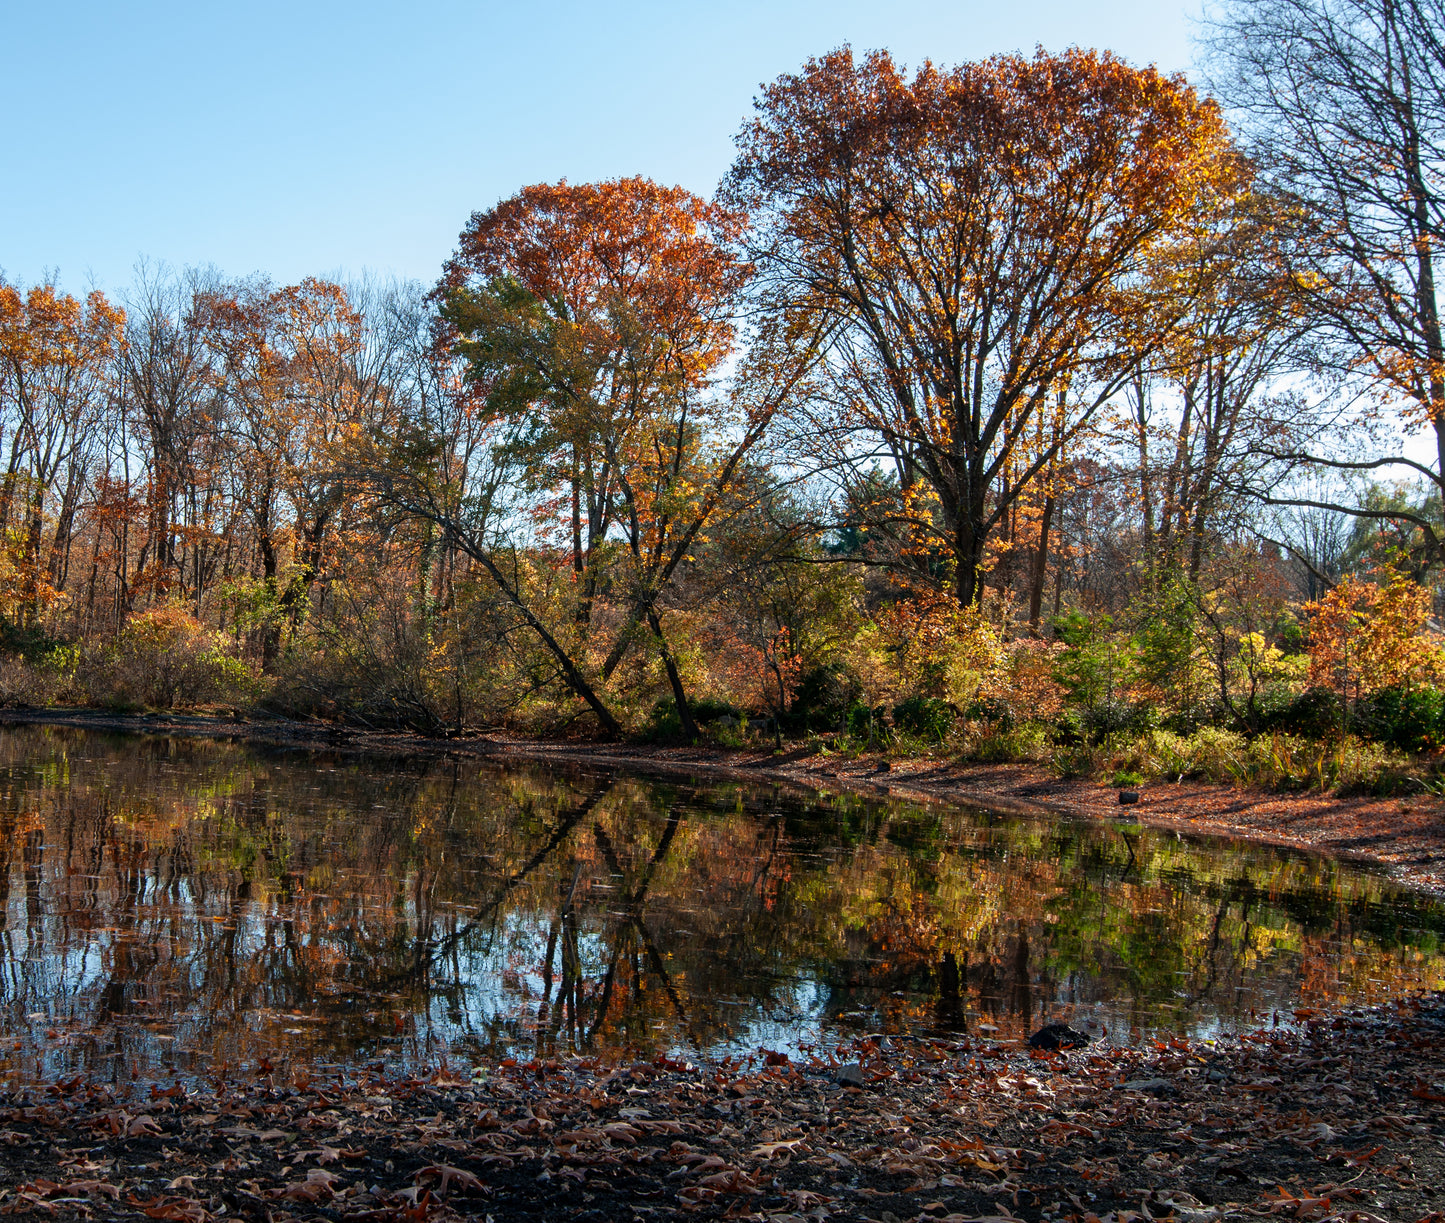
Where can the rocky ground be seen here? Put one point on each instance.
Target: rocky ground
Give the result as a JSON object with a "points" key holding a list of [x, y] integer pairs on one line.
{"points": [[1332, 1118]]}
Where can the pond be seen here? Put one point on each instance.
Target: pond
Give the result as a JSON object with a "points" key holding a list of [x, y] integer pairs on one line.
{"points": [[171, 907]]}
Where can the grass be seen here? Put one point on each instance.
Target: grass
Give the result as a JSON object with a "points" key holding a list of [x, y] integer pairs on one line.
{"points": [[1278, 762]]}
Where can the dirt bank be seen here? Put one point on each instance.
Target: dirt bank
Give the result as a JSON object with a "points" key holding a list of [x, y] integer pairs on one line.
{"points": [[1405, 834]]}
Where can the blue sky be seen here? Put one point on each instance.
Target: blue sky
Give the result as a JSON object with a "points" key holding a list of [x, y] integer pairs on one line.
{"points": [[320, 138]]}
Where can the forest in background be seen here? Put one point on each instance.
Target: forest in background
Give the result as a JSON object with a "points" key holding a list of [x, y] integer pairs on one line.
{"points": [[1041, 408]]}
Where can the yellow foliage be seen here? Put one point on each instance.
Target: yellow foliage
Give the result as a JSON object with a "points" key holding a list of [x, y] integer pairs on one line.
{"points": [[929, 645]]}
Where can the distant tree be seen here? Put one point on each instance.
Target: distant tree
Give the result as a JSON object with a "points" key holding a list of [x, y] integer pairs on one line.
{"points": [[601, 318], [57, 355], [1202, 409]]}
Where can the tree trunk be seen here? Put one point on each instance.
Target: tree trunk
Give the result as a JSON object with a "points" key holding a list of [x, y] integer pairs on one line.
{"points": [[684, 712], [1041, 568]]}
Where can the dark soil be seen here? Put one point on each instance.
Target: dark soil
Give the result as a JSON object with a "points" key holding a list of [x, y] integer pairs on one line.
{"points": [[1338, 1117]]}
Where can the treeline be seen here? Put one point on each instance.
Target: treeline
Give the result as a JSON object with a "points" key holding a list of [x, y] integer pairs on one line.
{"points": [[1026, 403]]}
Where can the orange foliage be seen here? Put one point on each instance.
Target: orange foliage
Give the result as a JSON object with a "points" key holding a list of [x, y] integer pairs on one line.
{"points": [[973, 237], [1365, 637], [55, 355]]}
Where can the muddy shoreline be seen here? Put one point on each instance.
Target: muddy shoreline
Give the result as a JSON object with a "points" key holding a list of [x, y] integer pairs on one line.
{"points": [[1405, 835]]}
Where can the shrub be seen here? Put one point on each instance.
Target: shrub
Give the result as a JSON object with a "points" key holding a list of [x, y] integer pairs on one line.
{"points": [[32, 643], [1411, 719], [707, 710], [824, 697], [1022, 688], [1163, 754], [1315, 713], [663, 724], [1029, 742], [924, 716], [1370, 637], [865, 723], [44, 680], [162, 657], [1107, 718]]}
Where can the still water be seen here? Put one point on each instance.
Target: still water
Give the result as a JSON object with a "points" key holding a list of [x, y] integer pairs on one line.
{"points": [[168, 907]]}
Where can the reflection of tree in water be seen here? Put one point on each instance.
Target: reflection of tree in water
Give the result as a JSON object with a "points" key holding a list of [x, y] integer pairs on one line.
{"points": [[240, 903]]}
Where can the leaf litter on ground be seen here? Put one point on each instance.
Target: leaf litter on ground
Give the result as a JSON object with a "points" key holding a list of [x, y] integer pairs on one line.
{"points": [[1335, 1118]]}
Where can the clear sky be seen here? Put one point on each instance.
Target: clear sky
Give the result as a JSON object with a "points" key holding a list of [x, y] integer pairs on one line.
{"points": [[319, 138]]}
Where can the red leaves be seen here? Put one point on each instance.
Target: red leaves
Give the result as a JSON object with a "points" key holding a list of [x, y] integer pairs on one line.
{"points": [[1312, 1204], [142, 1126], [1061, 1131], [1357, 1158], [34, 1193], [121, 1123], [710, 1188]]}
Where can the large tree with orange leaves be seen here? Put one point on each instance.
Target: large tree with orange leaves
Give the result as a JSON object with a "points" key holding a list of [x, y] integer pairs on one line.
{"points": [[597, 321], [972, 239]]}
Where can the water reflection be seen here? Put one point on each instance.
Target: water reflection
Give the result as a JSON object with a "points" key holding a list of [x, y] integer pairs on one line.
{"points": [[177, 906]]}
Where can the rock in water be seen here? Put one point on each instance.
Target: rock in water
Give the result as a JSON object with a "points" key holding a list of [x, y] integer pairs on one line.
{"points": [[1058, 1036], [1127, 798]]}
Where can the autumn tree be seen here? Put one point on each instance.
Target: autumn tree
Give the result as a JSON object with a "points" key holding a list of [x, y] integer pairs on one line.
{"points": [[970, 241], [298, 374], [56, 356], [599, 319], [1365, 637]]}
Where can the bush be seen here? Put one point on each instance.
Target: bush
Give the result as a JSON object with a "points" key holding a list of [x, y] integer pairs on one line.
{"points": [[45, 680], [706, 710], [862, 720], [1315, 713], [1108, 718], [1276, 762], [1410, 719], [993, 711], [663, 725], [824, 698], [33, 644], [163, 657], [924, 716], [1005, 745]]}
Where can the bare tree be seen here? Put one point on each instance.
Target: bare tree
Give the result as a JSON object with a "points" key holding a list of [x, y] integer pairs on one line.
{"points": [[1202, 420], [1343, 103], [166, 381]]}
